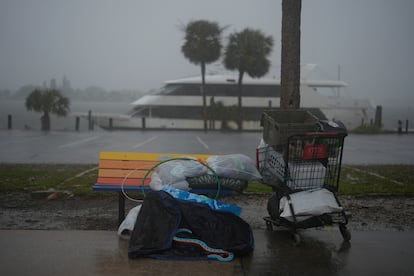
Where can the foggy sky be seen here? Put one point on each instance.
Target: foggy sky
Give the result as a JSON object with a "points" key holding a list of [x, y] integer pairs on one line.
{"points": [[135, 44]]}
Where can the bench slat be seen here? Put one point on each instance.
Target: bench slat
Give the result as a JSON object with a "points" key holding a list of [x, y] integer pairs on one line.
{"points": [[122, 173], [119, 181], [123, 164], [148, 156], [118, 188]]}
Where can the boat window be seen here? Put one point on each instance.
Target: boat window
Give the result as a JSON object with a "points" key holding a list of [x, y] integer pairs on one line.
{"points": [[181, 112], [247, 90], [181, 89], [192, 112], [166, 90], [224, 90]]}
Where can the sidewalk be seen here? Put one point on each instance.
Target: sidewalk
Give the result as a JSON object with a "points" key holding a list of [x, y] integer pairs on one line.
{"points": [[39, 252]]}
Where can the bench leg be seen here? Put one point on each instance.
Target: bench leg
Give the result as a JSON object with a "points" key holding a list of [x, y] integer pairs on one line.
{"points": [[121, 208]]}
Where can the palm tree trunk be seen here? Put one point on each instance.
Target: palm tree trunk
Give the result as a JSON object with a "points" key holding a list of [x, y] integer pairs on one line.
{"points": [[45, 120], [239, 106], [290, 64], [203, 93]]}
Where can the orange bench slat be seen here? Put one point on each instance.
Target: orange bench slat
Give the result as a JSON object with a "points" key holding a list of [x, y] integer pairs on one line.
{"points": [[123, 173], [125, 164], [119, 181]]}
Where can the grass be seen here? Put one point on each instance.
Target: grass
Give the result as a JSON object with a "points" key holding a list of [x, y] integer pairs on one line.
{"points": [[379, 179], [78, 179]]}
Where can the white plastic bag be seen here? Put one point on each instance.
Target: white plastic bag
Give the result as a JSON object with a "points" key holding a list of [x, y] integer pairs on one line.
{"points": [[127, 225], [237, 166], [309, 203], [177, 170], [157, 184]]}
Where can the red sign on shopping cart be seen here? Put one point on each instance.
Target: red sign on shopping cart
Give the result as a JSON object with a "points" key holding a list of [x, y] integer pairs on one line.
{"points": [[315, 151]]}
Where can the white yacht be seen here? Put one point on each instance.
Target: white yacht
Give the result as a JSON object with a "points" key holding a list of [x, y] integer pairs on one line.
{"points": [[179, 104]]}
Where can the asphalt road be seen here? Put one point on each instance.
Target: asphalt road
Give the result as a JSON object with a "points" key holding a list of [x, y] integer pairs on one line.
{"points": [[20, 146]]}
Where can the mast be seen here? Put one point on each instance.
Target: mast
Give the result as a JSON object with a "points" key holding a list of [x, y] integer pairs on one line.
{"points": [[339, 78]]}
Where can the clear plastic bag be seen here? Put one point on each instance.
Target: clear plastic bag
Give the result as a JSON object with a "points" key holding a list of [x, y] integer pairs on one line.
{"points": [[174, 173], [237, 166], [157, 184]]}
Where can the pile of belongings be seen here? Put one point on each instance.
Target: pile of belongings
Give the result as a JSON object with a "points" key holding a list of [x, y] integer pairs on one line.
{"points": [[167, 227], [233, 171], [173, 223]]}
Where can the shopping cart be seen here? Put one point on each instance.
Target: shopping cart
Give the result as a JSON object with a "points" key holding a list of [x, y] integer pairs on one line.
{"points": [[303, 171]]}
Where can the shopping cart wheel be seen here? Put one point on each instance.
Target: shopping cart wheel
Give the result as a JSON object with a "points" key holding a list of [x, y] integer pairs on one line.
{"points": [[296, 238], [346, 234], [269, 225], [273, 206]]}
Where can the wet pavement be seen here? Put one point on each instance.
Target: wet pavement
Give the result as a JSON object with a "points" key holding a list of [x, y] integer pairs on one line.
{"points": [[321, 252], [19, 146]]}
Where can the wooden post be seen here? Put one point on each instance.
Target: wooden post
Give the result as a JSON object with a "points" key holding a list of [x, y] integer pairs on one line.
{"points": [[90, 123], [399, 126], [77, 123], [378, 116], [9, 121], [110, 123], [143, 122]]}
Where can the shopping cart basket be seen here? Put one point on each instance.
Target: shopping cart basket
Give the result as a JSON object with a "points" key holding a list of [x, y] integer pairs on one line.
{"points": [[304, 175]]}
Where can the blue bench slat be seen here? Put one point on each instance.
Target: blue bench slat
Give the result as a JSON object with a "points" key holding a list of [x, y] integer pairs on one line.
{"points": [[117, 188]]}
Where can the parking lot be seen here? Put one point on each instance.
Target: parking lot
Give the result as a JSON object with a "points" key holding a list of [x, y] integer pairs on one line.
{"points": [[20, 146]]}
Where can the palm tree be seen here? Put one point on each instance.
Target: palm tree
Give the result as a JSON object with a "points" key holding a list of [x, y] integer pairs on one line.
{"points": [[202, 46], [247, 52], [290, 63], [48, 101]]}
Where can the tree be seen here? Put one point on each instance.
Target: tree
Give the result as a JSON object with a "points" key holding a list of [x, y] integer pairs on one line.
{"points": [[290, 63], [247, 52], [202, 46], [223, 113], [48, 101]]}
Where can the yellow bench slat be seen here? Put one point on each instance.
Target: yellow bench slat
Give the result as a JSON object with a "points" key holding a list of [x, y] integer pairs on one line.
{"points": [[124, 164], [148, 156]]}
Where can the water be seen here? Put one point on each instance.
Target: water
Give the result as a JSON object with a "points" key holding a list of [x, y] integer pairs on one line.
{"points": [[23, 119], [391, 115]]}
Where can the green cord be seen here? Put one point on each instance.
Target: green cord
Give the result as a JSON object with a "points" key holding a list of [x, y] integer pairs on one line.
{"points": [[186, 159]]}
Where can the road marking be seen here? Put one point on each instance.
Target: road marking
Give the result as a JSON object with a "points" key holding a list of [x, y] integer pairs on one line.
{"points": [[78, 142], [375, 174], [79, 175], [202, 142], [145, 142]]}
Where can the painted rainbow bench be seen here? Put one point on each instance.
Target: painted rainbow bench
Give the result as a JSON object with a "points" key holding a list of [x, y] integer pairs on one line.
{"points": [[124, 172]]}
